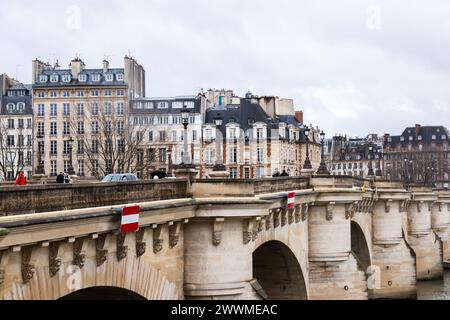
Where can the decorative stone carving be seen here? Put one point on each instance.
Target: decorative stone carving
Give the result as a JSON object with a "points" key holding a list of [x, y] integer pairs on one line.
{"points": [[54, 261], [27, 268], [404, 205], [276, 218], [430, 205], [419, 206], [261, 225], [248, 227], [157, 239], [141, 245], [291, 216], [268, 221], [101, 253], [298, 213], [440, 206], [283, 213], [79, 257], [217, 231], [122, 249], [350, 210], [174, 234], [387, 205], [305, 211], [330, 208]]}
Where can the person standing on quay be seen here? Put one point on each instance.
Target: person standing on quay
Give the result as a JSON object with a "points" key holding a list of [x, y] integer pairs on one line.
{"points": [[21, 179]]}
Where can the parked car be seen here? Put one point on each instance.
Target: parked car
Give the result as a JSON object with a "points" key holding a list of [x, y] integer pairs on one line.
{"points": [[120, 177]]}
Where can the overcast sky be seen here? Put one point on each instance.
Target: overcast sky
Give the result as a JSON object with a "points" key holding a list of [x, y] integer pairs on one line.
{"points": [[353, 66]]}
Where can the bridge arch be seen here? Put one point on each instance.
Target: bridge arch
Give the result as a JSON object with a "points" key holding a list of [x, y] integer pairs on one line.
{"points": [[103, 293], [132, 277], [278, 271], [360, 246]]}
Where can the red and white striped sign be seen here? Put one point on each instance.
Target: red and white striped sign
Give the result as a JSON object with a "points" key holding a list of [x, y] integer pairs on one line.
{"points": [[130, 219], [291, 200]]}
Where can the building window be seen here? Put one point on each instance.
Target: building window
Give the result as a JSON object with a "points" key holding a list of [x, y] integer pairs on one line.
{"points": [[259, 134], [109, 77], [108, 93], [53, 129], [94, 93], [29, 140], [121, 93], [53, 147], [10, 140], [433, 137], [80, 127], [53, 168], [21, 106], [80, 93], [150, 136], [233, 155], [260, 172], [41, 109], [95, 109], [120, 108], [95, 127], [42, 78], [80, 147], [162, 136], [108, 109], [40, 128], [66, 165], [194, 135], [120, 77], [96, 77], [10, 123], [54, 78], [20, 125], [163, 105], [66, 78], [174, 136], [82, 78], [53, 110], [162, 154], [233, 173], [260, 155], [66, 148], [81, 168], [94, 146], [80, 109], [209, 156], [120, 129], [66, 128]]}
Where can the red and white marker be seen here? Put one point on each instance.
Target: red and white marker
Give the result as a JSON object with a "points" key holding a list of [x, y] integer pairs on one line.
{"points": [[291, 200], [130, 219]]}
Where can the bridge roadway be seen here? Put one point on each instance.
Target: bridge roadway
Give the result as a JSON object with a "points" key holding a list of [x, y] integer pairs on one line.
{"points": [[223, 239]]}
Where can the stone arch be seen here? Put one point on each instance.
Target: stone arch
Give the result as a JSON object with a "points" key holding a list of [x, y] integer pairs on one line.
{"points": [[103, 293], [278, 271], [360, 246], [132, 274]]}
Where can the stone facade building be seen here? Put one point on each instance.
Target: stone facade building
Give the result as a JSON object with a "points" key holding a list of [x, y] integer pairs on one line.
{"points": [[16, 129], [420, 155], [76, 110], [354, 156]]}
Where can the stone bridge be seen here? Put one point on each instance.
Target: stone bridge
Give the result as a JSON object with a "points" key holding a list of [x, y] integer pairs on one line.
{"points": [[345, 238]]}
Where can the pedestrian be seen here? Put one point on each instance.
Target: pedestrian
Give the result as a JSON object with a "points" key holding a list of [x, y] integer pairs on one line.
{"points": [[66, 178], [21, 179], [276, 174], [284, 174], [60, 178]]}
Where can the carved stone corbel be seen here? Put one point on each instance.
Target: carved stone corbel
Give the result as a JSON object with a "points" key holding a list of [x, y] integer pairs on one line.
{"points": [[174, 234], [79, 256], [268, 220], [2, 271], [256, 228], [217, 231], [54, 261], [419, 206], [350, 210], [261, 225], [141, 245], [276, 218], [404, 205], [122, 249], [101, 253], [157, 238], [27, 268], [291, 216], [330, 208], [430, 205], [248, 226], [440, 206], [305, 211], [388, 205], [284, 218], [298, 213]]}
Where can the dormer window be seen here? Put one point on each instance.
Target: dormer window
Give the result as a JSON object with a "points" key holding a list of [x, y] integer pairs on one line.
{"points": [[438, 130], [443, 137], [419, 138], [82, 78], [402, 138], [10, 107], [66, 78], [411, 138], [389, 139], [433, 137], [21, 106], [119, 77], [231, 120], [96, 77], [42, 78], [109, 77], [54, 78]]}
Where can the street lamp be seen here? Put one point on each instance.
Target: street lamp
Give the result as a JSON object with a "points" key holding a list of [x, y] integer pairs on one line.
{"points": [[185, 118], [71, 172], [379, 173], [40, 167], [370, 173], [307, 164], [218, 166], [323, 167]]}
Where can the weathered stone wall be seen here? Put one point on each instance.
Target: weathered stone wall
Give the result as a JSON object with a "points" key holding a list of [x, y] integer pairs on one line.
{"points": [[45, 198]]}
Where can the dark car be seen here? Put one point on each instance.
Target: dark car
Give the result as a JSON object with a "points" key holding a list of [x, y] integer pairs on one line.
{"points": [[120, 177]]}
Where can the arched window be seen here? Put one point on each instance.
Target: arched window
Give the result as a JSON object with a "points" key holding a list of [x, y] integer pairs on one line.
{"points": [[21, 106], [10, 107], [54, 78]]}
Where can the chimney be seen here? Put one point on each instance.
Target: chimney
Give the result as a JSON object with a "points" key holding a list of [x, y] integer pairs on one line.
{"points": [[299, 116], [76, 66], [38, 67], [418, 126], [105, 66]]}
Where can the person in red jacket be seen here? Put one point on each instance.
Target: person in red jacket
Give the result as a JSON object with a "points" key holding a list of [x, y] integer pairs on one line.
{"points": [[21, 179]]}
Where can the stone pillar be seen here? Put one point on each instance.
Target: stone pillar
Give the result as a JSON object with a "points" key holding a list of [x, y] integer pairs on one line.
{"points": [[440, 221], [425, 243], [334, 272], [218, 265], [393, 261]]}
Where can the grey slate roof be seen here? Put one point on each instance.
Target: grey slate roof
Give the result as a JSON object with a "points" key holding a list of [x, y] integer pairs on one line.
{"points": [[170, 110], [426, 132], [88, 72], [25, 99]]}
